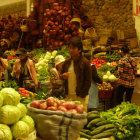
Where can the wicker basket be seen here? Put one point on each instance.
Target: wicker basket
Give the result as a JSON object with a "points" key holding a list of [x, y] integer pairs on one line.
{"points": [[105, 94]]}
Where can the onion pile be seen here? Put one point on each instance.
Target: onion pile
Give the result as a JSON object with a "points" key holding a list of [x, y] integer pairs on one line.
{"points": [[57, 26]]}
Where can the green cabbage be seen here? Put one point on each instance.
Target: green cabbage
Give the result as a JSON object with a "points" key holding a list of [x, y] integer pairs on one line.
{"points": [[20, 130], [11, 96], [105, 78], [27, 119], [9, 114], [5, 132], [23, 109], [1, 100]]}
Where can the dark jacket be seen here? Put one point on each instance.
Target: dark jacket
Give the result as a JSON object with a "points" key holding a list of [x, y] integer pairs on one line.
{"points": [[95, 76], [83, 73]]}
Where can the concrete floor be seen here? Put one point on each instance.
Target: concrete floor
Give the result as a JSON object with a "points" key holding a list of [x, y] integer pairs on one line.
{"points": [[136, 94]]}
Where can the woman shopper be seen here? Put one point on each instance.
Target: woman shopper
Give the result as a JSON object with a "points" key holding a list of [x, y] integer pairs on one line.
{"points": [[93, 101], [3, 66], [127, 70], [57, 89], [76, 72], [24, 69]]}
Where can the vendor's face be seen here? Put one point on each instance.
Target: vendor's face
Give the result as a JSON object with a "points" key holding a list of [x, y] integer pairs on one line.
{"points": [[74, 52], [59, 66]]}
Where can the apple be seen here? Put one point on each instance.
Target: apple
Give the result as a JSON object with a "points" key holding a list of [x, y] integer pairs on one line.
{"points": [[35, 104], [79, 109], [72, 111], [43, 105], [50, 101], [52, 108], [62, 108], [69, 105]]}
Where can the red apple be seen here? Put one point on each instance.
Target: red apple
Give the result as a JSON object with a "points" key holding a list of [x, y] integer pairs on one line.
{"points": [[62, 108], [69, 105], [52, 108], [50, 101], [72, 111], [35, 104], [79, 109], [43, 106]]}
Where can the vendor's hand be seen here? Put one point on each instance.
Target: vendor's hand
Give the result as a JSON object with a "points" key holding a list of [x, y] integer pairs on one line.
{"points": [[65, 75]]}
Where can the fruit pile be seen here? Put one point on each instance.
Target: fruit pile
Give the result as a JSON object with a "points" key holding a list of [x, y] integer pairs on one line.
{"points": [[55, 104], [105, 90]]}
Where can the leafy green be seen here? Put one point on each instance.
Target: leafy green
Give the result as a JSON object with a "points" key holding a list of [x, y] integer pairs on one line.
{"points": [[126, 118], [9, 84], [20, 130], [10, 96], [28, 120], [9, 114], [5, 132]]}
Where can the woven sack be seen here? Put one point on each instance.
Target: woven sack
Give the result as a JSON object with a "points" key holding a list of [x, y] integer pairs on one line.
{"points": [[91, 34], [57, 125]]}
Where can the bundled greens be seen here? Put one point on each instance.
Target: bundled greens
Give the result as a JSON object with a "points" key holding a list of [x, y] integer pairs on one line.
{"points": [[126, 118]]}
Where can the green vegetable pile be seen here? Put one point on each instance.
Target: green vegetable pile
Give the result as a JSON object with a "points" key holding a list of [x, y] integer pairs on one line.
{"points": [[126, 118], [115, 56], [10, 84], [97, 127], [14, 121], [38, 53], [104, 68]]}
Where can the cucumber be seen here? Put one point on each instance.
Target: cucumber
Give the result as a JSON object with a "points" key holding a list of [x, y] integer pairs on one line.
{"points": [[84, 135], [92, 116], [92, 128], [102, 123], [86, 131], [111, 130], [94, 122], [105, 127], [96, 131], [102, 135], [92, 112]]}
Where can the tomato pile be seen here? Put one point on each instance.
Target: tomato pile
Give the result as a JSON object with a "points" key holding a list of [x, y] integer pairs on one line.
{"points": [[98, 62]]}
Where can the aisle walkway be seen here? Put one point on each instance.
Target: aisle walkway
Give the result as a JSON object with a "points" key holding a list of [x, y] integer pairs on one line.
{"points": [[136, 94]]}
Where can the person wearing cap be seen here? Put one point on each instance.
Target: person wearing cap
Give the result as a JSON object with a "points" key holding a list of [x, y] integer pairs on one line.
{"points": [[55, 80], [3, 65], [24, 68], [76, 72]]}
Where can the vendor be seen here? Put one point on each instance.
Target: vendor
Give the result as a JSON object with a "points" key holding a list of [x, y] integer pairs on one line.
{"points": [[3, 66], [24, 69], [57, 89], [77, 73]]}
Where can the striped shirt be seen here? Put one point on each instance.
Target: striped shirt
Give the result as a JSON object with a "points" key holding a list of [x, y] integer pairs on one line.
{"points": [[127, 70]]}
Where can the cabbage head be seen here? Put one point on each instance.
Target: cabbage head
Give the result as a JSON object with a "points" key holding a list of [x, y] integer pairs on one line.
{"points": [[1, 99], [27, 119], [20, 130], [23, 109], [11, 96], [5, 132], [9, 114]]}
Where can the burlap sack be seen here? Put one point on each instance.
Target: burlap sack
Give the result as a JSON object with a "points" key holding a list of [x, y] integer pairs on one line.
{"points": [[57, 125]]}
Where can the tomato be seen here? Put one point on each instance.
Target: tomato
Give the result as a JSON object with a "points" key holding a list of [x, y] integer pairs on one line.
{"points": [[21, 89]]}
